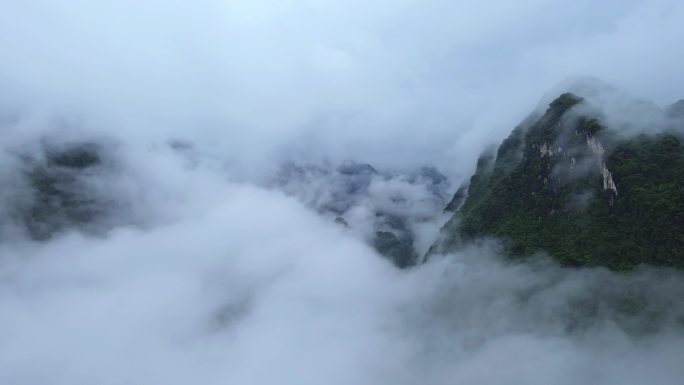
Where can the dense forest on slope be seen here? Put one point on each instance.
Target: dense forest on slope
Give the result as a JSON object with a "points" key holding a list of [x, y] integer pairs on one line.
{"points": [[583, 192]]}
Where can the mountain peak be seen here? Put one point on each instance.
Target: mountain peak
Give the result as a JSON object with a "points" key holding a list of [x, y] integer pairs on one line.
{"points": [[581, 188], [565, 101]]}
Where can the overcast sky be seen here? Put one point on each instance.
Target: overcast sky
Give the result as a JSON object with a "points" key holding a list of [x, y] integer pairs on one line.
{"points": [[396, 82]]}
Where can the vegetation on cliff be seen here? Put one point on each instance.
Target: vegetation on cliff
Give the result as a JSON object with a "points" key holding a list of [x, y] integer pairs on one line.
{"points": [[572, 187]]}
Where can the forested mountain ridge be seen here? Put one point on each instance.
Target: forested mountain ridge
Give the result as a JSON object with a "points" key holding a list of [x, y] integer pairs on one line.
{"points": [[584, 192]]}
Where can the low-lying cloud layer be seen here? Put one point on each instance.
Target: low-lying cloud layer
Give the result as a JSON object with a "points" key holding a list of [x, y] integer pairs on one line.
{"points": [[282, 295], [196, 267]]}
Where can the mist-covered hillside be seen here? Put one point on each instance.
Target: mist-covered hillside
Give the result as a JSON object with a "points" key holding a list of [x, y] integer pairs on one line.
{"points": [[397, 213], [587, 188]]}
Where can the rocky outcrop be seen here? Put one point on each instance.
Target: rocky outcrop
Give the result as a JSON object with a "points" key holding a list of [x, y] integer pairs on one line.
{"points": [[52, 190], [458, 199], [400, 253]]}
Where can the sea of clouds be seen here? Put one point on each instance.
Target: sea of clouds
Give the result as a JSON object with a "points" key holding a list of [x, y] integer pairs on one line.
{"points": [[202, 271]]}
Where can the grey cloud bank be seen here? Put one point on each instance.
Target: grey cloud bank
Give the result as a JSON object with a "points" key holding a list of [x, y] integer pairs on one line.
{"points": [[203, 272]]}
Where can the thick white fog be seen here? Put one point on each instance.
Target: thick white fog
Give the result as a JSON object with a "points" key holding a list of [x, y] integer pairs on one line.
{"points": [[206, 261]]}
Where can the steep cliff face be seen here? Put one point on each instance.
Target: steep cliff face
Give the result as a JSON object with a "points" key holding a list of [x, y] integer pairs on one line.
{"points": [[571, 186]]}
